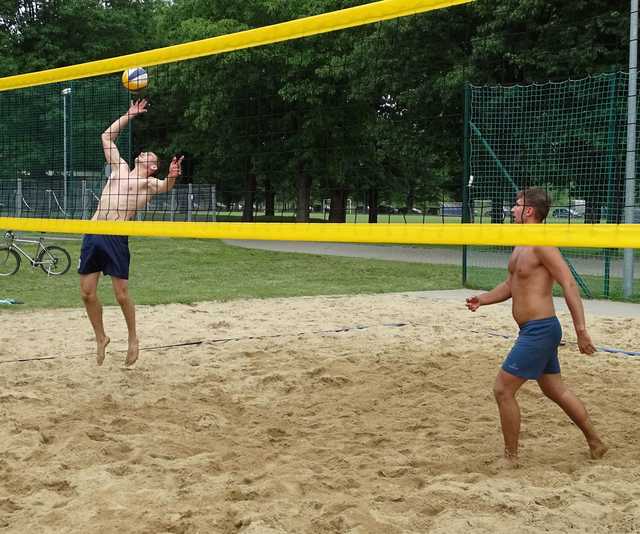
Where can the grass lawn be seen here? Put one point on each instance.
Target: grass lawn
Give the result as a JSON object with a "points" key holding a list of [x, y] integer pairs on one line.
{"points": [[190, 270], [361, 218]]}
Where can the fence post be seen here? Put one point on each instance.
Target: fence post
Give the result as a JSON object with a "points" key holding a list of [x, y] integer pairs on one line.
{"points": [[214, 205], [189, 202], [83, 193], [466, 178], [172, 205], [19, 197], [630, 168]]}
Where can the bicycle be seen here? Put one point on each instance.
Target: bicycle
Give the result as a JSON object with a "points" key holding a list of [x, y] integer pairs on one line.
{"points": [[52, 259]]}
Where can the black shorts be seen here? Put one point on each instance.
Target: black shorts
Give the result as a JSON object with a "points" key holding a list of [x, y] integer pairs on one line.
{"points": [[105, 253]]}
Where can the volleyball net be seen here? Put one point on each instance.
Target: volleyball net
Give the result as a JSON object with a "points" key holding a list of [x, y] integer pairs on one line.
{"points": [[317, 120]]}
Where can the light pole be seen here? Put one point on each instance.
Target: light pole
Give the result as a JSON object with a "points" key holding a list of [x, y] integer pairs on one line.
{"points": [[66, 93]]}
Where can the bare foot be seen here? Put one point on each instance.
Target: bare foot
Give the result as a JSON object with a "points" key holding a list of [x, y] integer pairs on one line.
{"points": [[503, 464], [102, 350], [132, 352], [508, 461], [597, 449]]}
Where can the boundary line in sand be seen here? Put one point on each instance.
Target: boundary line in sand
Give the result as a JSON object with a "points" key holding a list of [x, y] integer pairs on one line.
{"points": [[217, 340], [610, 350]]}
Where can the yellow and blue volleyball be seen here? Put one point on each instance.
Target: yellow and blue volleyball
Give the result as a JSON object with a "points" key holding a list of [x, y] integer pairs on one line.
{"points": [[135, 79]]}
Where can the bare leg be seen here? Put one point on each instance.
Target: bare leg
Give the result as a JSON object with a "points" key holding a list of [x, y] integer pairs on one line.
{"points": [[121, 291], [554, 387], [88, 292], [505, 389]]}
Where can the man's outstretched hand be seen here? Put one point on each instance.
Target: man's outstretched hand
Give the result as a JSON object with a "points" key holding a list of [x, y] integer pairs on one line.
{"points": [[175, 167], [473, 303], [138, 107]]}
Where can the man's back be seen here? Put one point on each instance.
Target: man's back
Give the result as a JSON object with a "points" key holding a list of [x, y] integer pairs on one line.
{"points": [[531, 286]]}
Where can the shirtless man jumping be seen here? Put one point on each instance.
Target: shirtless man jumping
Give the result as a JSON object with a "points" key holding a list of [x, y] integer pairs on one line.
{"points": [[125, 193], [532, 272]]}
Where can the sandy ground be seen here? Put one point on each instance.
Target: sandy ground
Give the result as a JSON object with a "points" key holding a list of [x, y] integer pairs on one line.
{"points": [[296, 427]]}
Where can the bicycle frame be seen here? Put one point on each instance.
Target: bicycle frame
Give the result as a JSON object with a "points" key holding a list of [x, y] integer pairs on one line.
{"points": [[12, 241], [52, 259]]}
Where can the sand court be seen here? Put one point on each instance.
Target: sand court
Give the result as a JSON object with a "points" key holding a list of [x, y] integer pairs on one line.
{"points": [[356, 414]]}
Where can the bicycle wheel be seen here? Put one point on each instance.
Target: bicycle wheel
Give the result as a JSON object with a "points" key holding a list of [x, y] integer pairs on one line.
{"points": [[9, 261], [54, 260]]}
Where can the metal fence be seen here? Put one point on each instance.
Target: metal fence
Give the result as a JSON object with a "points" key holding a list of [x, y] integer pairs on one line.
{"points": [[50, 199]]}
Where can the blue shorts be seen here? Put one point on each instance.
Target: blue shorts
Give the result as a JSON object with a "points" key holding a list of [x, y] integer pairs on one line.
{"points": [[536, 350], [106, 253]]}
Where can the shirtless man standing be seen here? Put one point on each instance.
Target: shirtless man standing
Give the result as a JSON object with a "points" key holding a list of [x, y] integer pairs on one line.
{"points": [[125, 193], [532, 272]]}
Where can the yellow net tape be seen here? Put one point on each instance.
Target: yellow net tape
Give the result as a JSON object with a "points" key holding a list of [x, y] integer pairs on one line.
{"points": [[560, 235]]}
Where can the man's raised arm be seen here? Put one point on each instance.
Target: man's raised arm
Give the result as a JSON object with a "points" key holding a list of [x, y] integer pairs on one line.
{"points": [[109, 136], [166, 185]]}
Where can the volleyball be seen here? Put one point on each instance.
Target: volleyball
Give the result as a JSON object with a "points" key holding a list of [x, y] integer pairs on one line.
{"points": [[135, 79]]}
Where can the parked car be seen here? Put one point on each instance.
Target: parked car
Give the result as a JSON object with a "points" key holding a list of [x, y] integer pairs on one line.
{"points": [[412, 211], [386, 209], [506, 213], [564, 213]]}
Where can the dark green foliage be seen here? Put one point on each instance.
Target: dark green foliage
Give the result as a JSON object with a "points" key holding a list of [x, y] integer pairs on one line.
{"points": [[374, 112]]}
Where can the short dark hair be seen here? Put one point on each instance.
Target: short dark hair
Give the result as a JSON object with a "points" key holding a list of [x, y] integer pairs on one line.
{"points": [[538, 199]]}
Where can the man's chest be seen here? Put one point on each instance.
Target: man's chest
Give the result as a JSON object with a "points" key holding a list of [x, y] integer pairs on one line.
{"points": [[523, 262], [127, 189]]}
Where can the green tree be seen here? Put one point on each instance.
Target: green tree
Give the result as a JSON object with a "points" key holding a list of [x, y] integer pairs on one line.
{"points": [[42, 34], [524, 41]]}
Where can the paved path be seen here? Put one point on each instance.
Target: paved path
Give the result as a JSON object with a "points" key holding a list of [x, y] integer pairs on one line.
{"points": [[435, 255], [443, 256]]}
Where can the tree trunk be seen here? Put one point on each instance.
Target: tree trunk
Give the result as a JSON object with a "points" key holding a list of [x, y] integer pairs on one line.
{"points": [[372, 201], [592, 212], [411, 199], [303, 193], [497, 212], [269, 199], [338, 212], [249, 197]]}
